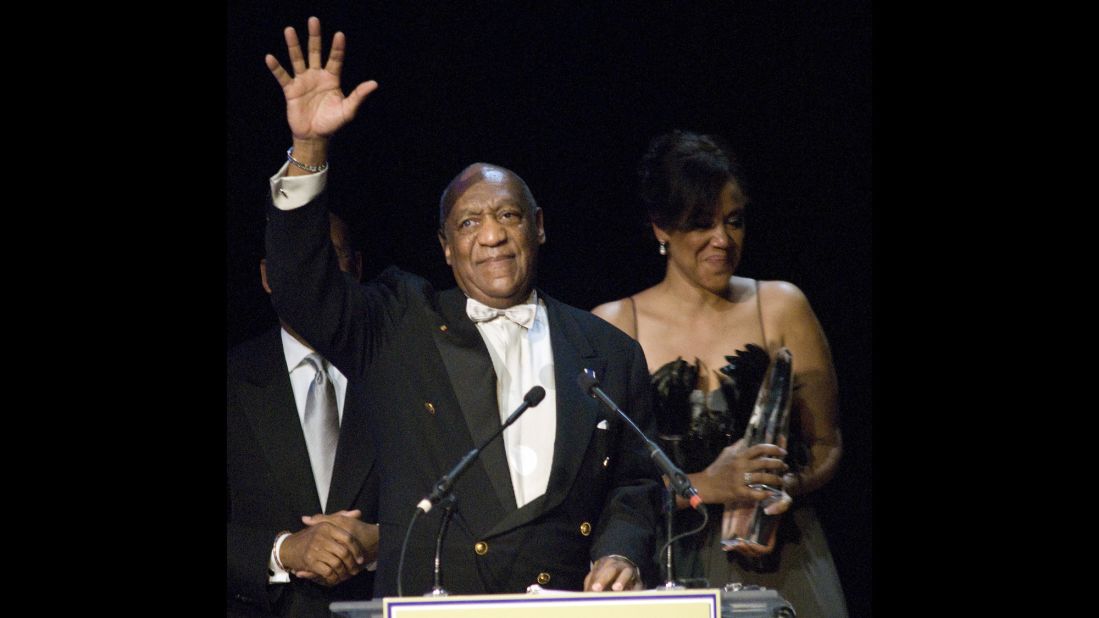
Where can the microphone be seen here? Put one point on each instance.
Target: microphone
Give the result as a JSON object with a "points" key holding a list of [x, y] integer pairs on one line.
{"points": [[442, 488], [678, 480]]}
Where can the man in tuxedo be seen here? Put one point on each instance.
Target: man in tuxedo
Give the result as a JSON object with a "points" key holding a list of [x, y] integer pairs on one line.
{"points": [[564, 499], [297, 535]]}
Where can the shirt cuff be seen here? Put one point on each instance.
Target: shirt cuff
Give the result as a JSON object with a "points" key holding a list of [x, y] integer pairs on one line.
{"points": [[290, 192], [275, 573]]}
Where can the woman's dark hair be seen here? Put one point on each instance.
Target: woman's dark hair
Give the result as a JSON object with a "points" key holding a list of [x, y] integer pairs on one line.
{"points": [[682, 175]]}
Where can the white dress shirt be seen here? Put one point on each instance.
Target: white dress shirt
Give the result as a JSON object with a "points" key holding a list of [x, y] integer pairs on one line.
{"points": [[528, 442]]}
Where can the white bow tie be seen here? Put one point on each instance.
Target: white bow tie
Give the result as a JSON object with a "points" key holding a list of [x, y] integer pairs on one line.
{"points": [[523, 315]]}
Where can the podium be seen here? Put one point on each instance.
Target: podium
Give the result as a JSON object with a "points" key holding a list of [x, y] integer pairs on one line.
{"points": [[688, 603]]}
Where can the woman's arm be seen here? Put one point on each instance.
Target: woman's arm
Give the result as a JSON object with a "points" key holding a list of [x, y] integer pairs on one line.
{"points": [[815, 397]]}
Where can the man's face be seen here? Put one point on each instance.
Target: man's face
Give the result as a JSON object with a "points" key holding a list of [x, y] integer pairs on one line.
{"points": [[491, 238]]}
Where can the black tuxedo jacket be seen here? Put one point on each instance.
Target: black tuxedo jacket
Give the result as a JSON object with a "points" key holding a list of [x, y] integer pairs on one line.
{"points": [[270, 482], [431, 397]]}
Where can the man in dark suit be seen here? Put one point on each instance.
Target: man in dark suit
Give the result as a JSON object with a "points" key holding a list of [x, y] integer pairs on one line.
{"points": [[324, 551], [564, 499]]}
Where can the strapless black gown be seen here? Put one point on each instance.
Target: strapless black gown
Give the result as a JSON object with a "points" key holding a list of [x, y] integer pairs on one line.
{"points": [[693, 427]]}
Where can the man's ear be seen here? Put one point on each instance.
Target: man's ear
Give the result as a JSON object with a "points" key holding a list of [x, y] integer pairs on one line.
{"points": [[446, 247]]}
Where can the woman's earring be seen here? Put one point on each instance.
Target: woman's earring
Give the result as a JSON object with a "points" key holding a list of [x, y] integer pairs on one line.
{"points": [[663, 247]]}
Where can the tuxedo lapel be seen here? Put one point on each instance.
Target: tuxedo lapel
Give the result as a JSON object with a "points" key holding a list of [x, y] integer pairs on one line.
{"points": [[473, 380], [577, 414], [267, 400], [352, 464]]}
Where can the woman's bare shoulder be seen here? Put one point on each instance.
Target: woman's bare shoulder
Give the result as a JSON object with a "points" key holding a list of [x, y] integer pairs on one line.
{"points": [[612, 310], [787, 311], [781, 295], [619, 313], [623, 312]]}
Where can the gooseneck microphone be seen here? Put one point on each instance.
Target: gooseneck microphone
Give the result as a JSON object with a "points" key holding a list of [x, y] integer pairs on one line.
{"points": [[533, 397], [677, 479], [441, 489]]}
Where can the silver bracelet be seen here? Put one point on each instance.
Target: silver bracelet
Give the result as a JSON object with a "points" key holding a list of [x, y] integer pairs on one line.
{"points": [[309, 168]]}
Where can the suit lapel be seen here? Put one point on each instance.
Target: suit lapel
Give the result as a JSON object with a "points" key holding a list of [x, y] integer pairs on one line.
{"points": [[577, 414], [352, 465], [268, 403], [473, 380]]}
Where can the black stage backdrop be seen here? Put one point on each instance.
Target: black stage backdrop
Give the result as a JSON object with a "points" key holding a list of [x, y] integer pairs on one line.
{"points": [[567, 94]]}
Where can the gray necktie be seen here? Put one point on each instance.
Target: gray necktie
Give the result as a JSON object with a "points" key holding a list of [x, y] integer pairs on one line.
{"points": [[321, 426]]}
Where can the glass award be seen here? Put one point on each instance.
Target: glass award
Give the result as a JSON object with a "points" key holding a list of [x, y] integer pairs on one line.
{"points": [[769, 424]]}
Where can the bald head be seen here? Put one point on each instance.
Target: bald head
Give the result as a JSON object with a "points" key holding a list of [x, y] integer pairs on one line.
{"points": [[478, 172]]}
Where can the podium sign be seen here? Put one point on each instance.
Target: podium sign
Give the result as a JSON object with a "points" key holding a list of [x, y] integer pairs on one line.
{"points": [[560, 604]]}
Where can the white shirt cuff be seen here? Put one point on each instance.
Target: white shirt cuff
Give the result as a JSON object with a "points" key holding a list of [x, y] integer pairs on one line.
{"points": [[276, 575], [290, 192]]}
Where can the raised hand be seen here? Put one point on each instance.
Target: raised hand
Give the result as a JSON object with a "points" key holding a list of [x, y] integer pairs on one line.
{"points": [[315, 106]]}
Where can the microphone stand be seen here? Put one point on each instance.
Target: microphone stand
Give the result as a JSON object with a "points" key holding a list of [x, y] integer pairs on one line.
{"points": [[448, 511], [669, 515]]}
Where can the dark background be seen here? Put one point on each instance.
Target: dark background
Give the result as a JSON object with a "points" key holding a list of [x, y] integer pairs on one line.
{"points": [[567, 95]]}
